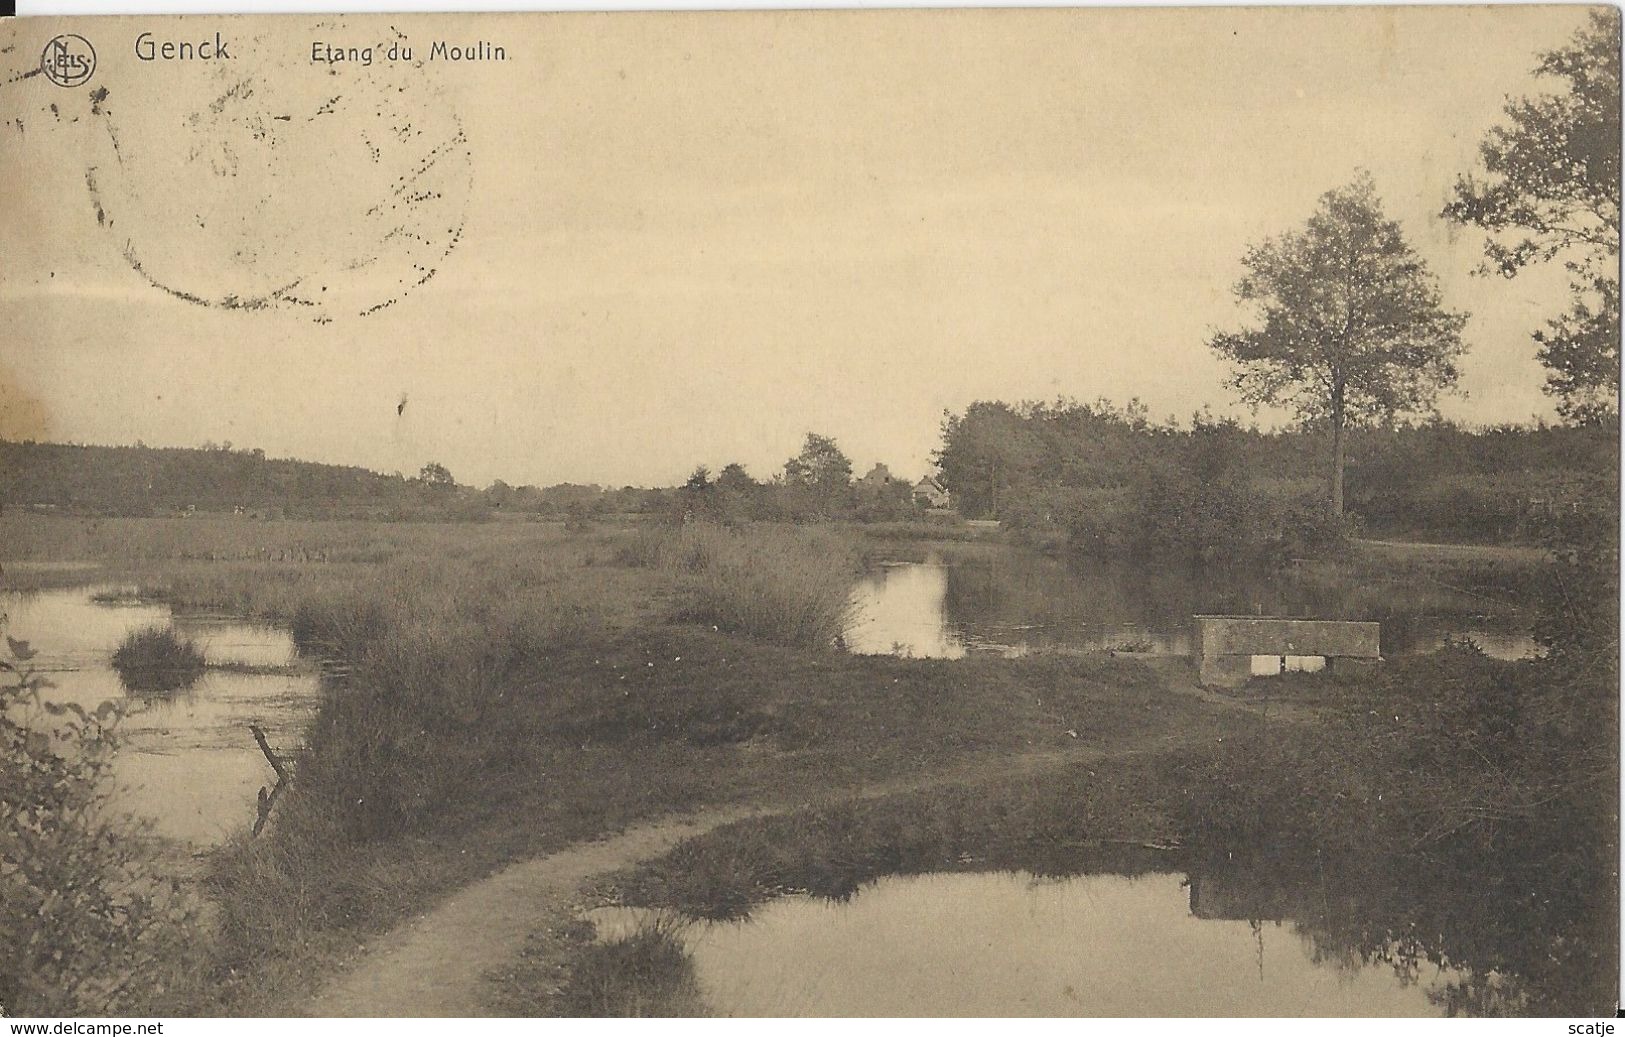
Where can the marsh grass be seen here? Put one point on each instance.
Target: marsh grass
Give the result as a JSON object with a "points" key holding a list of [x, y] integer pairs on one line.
{"points": [[646, 973], [781, 584], [156, 660]]}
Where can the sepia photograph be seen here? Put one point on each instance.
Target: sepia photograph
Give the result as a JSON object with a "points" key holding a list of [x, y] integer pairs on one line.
{"points": [[1067, 512]]}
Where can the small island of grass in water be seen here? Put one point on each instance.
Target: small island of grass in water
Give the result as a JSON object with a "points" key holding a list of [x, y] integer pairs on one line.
{"points": [[155, 660]]}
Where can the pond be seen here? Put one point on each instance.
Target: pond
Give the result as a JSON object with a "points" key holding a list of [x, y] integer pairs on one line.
{"points": [[1011, 944], [1010, 602], [186, 760]]}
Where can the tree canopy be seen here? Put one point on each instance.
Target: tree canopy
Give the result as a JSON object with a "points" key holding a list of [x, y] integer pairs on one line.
{"points": [[436, 474], [820, 464], [1550, 190]]}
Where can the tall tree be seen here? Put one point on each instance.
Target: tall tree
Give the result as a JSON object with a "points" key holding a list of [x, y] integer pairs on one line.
{"points": [[985, 452], [819, 479], [734, 477], [820, 464], [436, 475], [1352, 327], [1550, 190]]}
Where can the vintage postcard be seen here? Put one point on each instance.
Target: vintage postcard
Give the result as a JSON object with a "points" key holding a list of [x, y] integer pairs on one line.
{"points": [[958, 513]]}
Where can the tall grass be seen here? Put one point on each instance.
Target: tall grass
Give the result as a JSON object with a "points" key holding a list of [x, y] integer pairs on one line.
{"points": [[646, 973], [430, 635], [430, 651], [781, 584]]}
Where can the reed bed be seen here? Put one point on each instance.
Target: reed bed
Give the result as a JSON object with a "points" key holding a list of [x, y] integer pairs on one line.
{"points": [[785, 585]]}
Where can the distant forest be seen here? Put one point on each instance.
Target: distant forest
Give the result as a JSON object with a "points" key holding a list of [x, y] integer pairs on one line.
{"points": [[143, 481]]}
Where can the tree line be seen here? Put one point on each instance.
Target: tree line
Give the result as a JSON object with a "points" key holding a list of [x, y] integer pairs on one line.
{"points": [[143, 481], [814, 484], [1103, 478]]}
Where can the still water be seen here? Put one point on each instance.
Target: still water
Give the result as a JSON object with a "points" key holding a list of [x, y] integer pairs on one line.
{"points": [[1010, 602], [1007, 943], [186, 760]]}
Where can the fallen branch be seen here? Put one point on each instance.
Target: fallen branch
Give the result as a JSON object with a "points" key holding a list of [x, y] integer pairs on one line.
{"points": [[268, 797]]}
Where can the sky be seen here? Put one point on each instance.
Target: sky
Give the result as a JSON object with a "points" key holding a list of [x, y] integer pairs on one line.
{"points": [[648, 241]]}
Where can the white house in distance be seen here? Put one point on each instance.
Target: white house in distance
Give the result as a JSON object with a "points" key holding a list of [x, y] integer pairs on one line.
{"points": [[931, 493]]}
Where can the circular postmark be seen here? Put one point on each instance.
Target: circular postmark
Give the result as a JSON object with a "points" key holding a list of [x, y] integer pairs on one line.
{"points": [[270, 183], [68, 60]]}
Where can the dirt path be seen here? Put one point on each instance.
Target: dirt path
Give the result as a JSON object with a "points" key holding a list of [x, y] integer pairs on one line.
{"points": [[436, 964]]}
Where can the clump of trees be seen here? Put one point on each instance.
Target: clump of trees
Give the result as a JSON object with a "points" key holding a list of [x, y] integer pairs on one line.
{"points": [[1111, 481], [815, 484]]}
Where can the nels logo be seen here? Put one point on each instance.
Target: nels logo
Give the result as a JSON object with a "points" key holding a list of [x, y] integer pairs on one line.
{"points": [[68, 60]]}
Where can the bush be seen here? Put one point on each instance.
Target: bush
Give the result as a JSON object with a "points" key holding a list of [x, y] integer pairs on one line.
{"points": [[88, 925], [156, 660], [1579, 596]]}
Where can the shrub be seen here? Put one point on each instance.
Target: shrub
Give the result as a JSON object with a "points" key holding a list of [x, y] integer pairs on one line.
{"points": [[88, 925], [156, 660], [1203, 510]]}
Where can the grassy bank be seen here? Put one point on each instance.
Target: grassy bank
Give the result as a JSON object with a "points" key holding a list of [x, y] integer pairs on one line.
{"points": [[1457, 809], [507, 689], [648, 721]]}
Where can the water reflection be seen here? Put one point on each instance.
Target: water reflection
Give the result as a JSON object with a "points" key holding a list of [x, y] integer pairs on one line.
{"points": [[1012, 602], [186, 760], [900, 609], [1006, 943]]}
